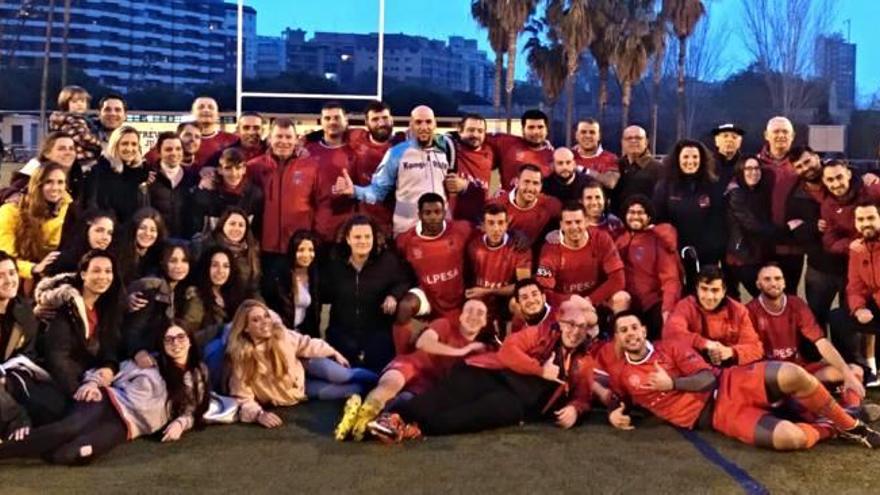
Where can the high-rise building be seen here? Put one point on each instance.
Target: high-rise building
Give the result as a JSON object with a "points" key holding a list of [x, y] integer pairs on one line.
{"points": [[124, 44], [457, 65], [271, 56], [836, 62], [248, 40]]}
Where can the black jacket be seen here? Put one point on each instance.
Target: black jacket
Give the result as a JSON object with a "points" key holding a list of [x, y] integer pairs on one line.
{"points": [[63, 346], [175, 203], [356, 298], [208, 206], [802, 205], [119, 192], [553, 186], [752, 233], [18, 329], [697, 211], [635, 178], [725, 168]]}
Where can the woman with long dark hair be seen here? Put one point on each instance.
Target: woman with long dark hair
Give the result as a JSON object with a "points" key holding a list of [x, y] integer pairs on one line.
{"points": [[216, 294], [30, 230], [83, 332], [691, 199], [94, 230], [137, 402], [155, 301], [294, 294], [140, 245], [233, 231]]}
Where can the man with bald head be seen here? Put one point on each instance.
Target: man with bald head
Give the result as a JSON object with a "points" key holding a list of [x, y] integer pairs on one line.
{"points": [[412, 168], [206, 114], [779, 136], [639, 170], [566, 181]]}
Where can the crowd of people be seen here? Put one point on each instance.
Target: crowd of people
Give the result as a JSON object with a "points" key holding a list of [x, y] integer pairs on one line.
{"points": [[154, 291]]}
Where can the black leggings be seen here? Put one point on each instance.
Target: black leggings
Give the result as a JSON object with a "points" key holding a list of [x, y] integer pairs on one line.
{"points": [[94, 425], [473, 399]]}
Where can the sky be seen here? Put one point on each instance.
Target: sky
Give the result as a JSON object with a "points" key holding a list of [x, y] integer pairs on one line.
{"points": [[440, 19]]}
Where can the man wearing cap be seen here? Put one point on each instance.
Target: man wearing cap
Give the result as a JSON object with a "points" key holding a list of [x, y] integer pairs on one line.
{"points": [[728, 142]]}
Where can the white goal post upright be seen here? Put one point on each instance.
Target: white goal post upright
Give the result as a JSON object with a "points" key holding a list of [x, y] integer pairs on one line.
{"points": [[241, 94]]}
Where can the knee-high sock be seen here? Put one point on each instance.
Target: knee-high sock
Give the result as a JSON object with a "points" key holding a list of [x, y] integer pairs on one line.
{"points": [[820, 402]]}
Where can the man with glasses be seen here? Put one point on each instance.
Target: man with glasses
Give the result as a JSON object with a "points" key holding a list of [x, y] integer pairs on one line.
{"points": [[639, 170], [543, 371]]}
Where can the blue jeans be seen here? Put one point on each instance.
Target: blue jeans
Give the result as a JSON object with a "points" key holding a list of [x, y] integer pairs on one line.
{"points": [[328, 380]]}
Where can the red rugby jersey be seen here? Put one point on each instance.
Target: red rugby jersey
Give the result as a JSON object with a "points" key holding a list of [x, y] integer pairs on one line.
{"points": [[513, 151], [779, 331], [595, 270], [532, 221], [333, 209], [438, 263]]}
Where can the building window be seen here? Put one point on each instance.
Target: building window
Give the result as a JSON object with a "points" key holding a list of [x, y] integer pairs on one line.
{"points": [[17, 134]]}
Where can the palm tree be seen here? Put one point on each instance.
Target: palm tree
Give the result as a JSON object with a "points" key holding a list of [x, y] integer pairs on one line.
{"points": [[512, 17], [604, 16], [658, 42], [631, 54], [547, 62], [684, 15], [570, 20], [64, 39], [483, 13], [47, 55]]}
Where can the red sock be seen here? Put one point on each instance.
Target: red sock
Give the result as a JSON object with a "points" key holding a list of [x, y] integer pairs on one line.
{"points": [[812, 434], [402, 335], [820, 402]]}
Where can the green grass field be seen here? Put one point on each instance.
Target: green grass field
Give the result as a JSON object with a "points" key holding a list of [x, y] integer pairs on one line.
{"points": [[301, 457]]}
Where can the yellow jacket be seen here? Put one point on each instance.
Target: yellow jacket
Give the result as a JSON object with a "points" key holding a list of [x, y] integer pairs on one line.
{"points": [[10, 215]]}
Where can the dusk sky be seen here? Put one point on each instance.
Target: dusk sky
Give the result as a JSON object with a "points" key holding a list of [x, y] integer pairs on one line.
{"points": [[442, 18]]}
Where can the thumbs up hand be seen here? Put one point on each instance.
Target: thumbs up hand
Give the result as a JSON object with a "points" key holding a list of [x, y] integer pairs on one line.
{"points": [[344, 185], [659, 380], [550, 371]]}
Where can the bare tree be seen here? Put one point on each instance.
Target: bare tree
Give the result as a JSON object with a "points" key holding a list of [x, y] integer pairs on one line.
{"points": [[47, 56], [781, 36]]}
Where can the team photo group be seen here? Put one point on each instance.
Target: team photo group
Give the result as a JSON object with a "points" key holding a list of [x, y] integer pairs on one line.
{"points": [[432, 283]]}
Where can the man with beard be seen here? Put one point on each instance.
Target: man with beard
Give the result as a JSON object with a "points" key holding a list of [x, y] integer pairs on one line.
{"points": [[191, 140], [443, 344], [250, 135], [672, 382], [728, 143], [585, 262], [650, 262], [714, 324], [529, 305], [541, 372], [411, 169], [369, 146], [589, 155], [213, 140], [469, 188], [530, 212], [782, 320], [566, 181], [495, 264], [436, 250], [639, 170], [862, 293], [511, 152], [333, 156]]}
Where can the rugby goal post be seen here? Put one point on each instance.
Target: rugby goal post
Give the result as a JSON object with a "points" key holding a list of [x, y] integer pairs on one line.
{"points": [[240, 94]]}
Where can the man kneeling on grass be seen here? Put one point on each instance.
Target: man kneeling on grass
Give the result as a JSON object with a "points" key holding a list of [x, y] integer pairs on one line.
{"points": [[673, 382], [539, 371], [440, 346]]}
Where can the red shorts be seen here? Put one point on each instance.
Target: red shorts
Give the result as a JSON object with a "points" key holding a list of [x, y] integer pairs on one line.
{"points": [[741, 401], [417, 378]]}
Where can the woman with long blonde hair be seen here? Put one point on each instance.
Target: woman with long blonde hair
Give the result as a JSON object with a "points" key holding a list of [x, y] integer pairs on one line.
{"points": [[271, 365], [30, 229], [117, 182]]}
